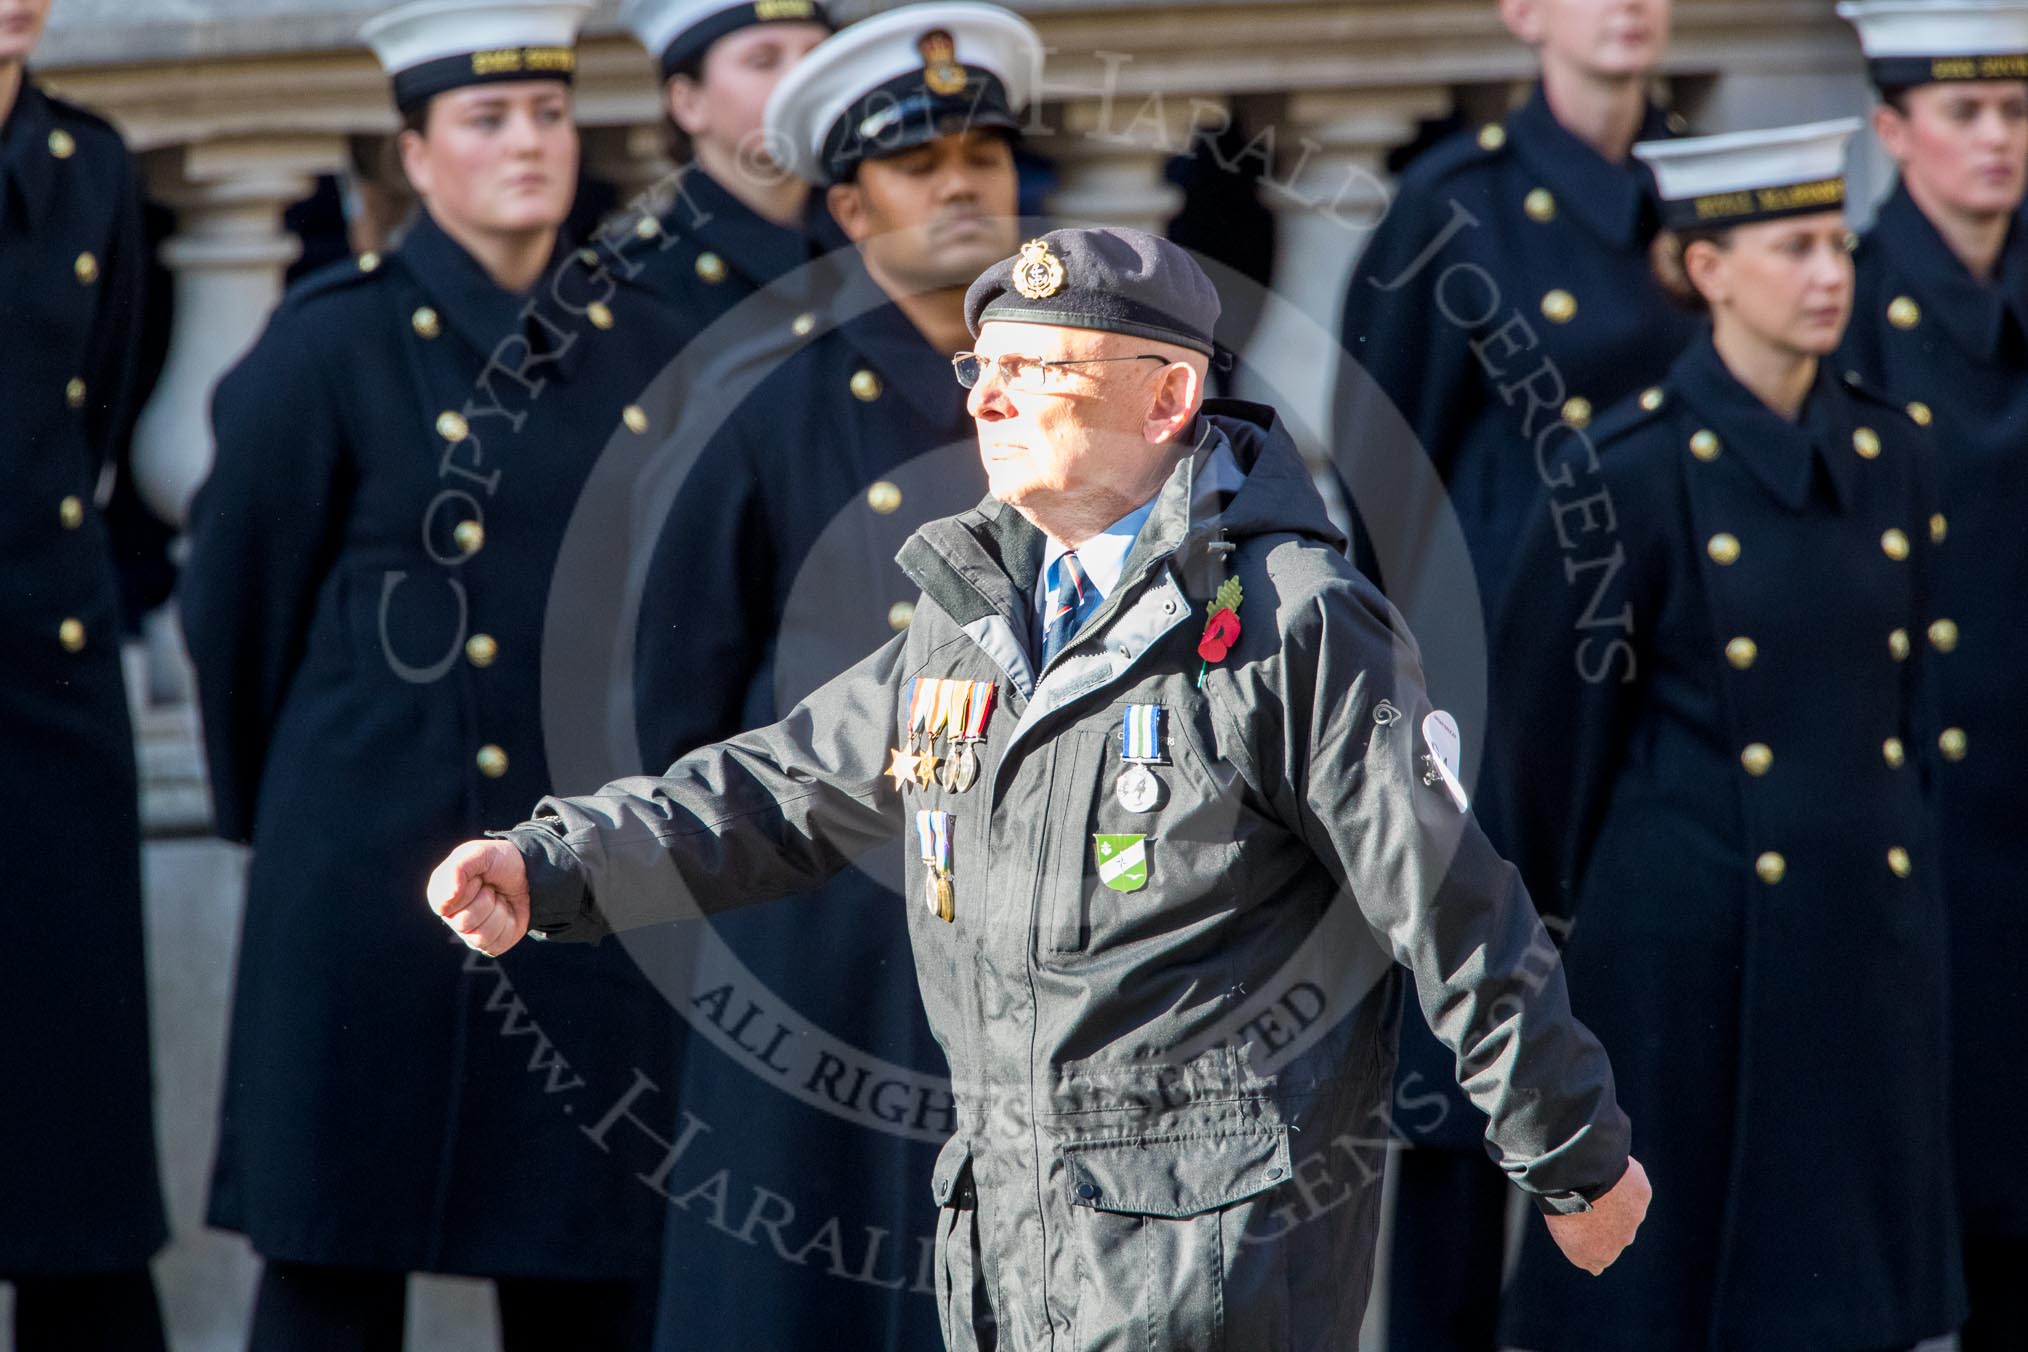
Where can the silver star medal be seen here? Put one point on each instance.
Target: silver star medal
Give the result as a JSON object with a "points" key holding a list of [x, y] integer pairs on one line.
{"points": [[1140, 747]]}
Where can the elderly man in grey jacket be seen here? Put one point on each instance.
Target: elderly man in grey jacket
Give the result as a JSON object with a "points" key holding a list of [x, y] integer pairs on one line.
{"points": [[1156, 751]]}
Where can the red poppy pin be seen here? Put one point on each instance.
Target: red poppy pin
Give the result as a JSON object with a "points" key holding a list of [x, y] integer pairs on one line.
{"points": [[1221, 631]]}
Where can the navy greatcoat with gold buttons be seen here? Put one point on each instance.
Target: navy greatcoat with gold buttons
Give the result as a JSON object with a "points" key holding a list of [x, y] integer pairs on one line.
{"points": [[1712, 681], [1957, 349], [78, 1192], [365, 599], [782, 540]]}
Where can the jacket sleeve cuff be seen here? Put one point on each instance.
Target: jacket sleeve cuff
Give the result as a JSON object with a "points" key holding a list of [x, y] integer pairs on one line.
{"points": [[1576, 1200], [560, 905]]}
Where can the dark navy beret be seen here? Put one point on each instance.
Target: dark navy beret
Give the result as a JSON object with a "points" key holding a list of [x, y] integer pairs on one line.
{"points": [[1107, 278]]}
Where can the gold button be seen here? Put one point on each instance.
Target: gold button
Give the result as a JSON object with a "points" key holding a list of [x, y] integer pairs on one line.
{"points": [[1943, 635], [600, 314], [1758, 758], [470, 535], [647, 227], [1559, 306], [425, 322], [1894, 753], [62, 144], [802, 324], [1894, 544], [369, 261], [711, 267], [74, 393], [1492, 136], [1919, 413], [1903, 312], [71, 635], [1651, 398], [492, 761], [1867, 442], [588, 257], [1897, 644], [636, 419], [70, 512], [865, 386], [1577, 411], [1704, 445], [86, 267], [1723, 549], [1741, 652], [1938, 528], [899, 614], [1851, 241], [1898, 860], [482, 649], [1771, 868], [451, 425], [883, 497], [1952, 743], [1540, 204]]}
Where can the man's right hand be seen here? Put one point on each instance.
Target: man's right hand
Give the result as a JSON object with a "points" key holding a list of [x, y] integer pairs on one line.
{"points": [[1593, 1239], [481, 892]]}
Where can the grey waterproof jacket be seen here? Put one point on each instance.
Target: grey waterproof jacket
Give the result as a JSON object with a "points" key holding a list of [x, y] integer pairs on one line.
{"points": [[1172, 1077]]}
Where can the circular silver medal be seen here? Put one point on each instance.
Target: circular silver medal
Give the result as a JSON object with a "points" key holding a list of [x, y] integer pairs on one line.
{"points": [[1138, 789], [967, 773]]}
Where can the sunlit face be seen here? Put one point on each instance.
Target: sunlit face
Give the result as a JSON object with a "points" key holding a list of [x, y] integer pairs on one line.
{"points": [[21, 24], [1962, 145], [1789, 281], [496, 158], [725, 106], [1606, 38], [1085, 433], [936, 216]]}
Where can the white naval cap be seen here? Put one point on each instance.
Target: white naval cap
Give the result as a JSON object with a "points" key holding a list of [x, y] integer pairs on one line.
{"points": [[676, 32], [433, 46], [1912, 42], [1741, 176], [899, 79]]}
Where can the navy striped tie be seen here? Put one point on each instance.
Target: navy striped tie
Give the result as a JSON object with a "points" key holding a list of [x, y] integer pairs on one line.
{"points": [[1072, 598]]}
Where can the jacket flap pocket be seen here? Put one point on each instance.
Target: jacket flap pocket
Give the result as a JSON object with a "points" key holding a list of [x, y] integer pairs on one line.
{"points": [[1176, 1176], [951, 1180]]}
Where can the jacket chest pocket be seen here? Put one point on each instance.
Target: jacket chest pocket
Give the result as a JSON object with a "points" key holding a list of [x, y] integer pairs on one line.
{"points": [[1133, 851]]}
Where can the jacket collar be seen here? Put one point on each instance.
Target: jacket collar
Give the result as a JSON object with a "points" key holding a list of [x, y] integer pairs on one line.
{"points": [[890, 343], [1616, 202], [1974, 313], [470, 303], [1783, 455], [27, 167], [753, 247]]}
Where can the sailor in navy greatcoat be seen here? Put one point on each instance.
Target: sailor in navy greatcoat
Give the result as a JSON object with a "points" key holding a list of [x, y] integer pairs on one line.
{"points": [[1713, 687], [79, 1196], [1505, 294], [1947, 331], [782, 540], [371, 561]]}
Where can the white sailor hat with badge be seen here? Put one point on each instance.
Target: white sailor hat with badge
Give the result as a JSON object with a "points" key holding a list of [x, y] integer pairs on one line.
{"points": [[1710, 182], [898, 80], [1913, 42], [434, 46], [678, 32]]}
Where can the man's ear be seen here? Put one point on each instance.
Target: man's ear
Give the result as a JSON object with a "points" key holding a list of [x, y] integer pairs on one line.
{"points": [[847, 202], [1179, 391]]}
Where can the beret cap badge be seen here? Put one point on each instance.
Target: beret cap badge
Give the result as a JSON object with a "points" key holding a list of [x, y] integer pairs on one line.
{"points": [[941, 73], [1038, 273]]}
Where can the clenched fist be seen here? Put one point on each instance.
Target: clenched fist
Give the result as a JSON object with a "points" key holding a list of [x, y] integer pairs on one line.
{"points": [[1593, 1239], [481, 891]]}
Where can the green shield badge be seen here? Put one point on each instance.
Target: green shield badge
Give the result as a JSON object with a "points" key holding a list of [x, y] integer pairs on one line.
{"points": [[1122, 862]]}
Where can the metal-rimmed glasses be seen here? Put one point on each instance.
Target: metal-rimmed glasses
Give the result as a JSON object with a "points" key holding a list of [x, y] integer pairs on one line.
{"points": [[1031, 375]]}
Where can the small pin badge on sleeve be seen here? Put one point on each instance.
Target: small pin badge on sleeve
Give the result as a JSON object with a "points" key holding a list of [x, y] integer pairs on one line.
{"points": [[1443, 762]]}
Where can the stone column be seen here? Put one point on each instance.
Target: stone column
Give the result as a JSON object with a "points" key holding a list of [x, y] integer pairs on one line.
{"points": [[1329, 190], [1110, 154]]}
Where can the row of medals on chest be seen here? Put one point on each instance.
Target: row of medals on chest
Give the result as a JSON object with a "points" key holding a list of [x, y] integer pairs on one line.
{"points": [[960, 712]]}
